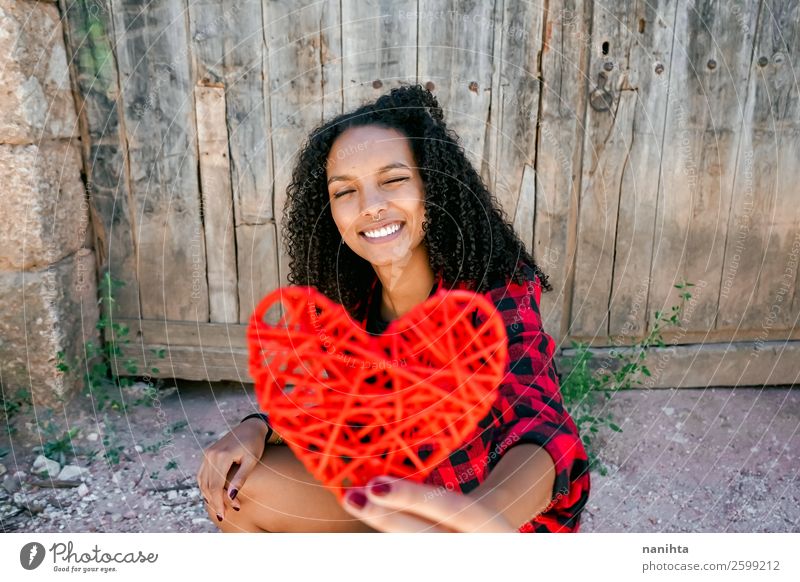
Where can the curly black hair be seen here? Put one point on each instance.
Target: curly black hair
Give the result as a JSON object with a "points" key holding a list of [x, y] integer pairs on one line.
{"points": [[462, 218]]}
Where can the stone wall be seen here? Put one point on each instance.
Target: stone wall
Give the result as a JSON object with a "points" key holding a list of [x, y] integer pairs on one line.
{"points": [[48, 282]]}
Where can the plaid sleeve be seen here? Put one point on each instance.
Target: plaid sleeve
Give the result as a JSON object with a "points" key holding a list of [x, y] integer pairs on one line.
{"points": [[530, 409]]}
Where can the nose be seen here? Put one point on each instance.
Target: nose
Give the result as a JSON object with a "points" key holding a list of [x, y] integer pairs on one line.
{"points": [[373, 203]]}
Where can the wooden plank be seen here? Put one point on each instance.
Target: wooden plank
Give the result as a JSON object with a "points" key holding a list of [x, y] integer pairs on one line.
{"points": [[186, 333], [190, 362], [379, 48], [515, 105], [701, 366], [257, 244], [609, 141], [649, 46], [759, 279], [229, 47], [330, 58], [708, 77], [223, 335], [607, 145], [300, 36], [684, 337], [558, 153], [89, 39], [152, 56], [455, 63], [215, 180], [89, 34], [113, 223], [526, 206], [690, 366]]}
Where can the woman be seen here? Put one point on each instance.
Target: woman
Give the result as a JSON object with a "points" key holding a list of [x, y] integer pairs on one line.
{"points": [[383, 208]]}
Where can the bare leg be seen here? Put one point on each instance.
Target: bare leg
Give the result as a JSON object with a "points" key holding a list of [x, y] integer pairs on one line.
{"points": [[280, 495]]}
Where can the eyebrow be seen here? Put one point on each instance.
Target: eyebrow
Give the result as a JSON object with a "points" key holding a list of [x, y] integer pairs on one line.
{"points": [[385, 168]]}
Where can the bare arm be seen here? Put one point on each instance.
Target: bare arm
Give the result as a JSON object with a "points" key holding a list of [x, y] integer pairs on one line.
{"points": [[520, 487]]}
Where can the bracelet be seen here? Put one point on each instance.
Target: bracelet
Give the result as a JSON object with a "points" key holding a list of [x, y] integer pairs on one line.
{"points": [[265, 418]]}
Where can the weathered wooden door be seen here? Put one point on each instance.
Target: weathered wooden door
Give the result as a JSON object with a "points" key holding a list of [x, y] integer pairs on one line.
{"points": [[632, 144]]}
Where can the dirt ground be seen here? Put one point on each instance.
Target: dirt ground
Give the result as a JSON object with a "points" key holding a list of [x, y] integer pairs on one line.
{"points": [[705, 460]]}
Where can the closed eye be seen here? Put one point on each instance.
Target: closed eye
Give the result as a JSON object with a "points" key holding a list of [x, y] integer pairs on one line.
{"points": [[343, 192]]}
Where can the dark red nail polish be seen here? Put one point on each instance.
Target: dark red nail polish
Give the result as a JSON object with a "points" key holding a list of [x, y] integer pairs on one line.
{"points": [[232, 493], [357, 499], [380, 488], [219, 517], [236, 509]]}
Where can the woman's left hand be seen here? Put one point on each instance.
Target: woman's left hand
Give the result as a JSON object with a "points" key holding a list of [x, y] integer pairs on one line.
{"points": [[398, 505]]}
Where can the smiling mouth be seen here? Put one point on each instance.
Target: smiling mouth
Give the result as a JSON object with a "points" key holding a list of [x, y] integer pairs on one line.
{"points": [[391, 235]]}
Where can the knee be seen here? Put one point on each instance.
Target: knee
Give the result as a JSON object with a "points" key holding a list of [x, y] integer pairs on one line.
{"points": [[234, 521]]}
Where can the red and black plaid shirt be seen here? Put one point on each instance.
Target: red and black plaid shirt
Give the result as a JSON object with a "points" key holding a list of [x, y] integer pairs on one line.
{"points": [[528, 409]]}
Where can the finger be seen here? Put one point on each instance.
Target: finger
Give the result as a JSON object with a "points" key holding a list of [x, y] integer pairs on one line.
{"points": [[386, 519], [238, 479], [201, 482], [435, 504], [216, 487]]}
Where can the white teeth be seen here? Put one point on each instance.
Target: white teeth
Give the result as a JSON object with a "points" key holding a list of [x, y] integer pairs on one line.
{"points": [[386, 231]]}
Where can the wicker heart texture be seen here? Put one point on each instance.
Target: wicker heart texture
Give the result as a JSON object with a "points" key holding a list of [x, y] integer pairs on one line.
{"points": [[351, 405]]}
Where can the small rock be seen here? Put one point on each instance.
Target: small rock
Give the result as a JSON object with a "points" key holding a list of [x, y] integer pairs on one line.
{"points": [[194, 494], [172, 495], [116, 517], [668, 410], [200, 520], [83, 490], [20, 475], [138, 449], [92, 436], [44, 466], [3, 469], [115, 478], [11, 484], [129, 514], [72, 473], [678, 438]]}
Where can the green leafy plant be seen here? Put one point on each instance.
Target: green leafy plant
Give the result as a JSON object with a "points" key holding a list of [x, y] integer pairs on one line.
{"points": [[106, 388], [111, 450], [585, 388], [57, 443], [11, 406]]}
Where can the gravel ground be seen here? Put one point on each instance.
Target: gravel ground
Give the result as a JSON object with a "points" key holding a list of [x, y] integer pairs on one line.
{"points": [[710, 460]]}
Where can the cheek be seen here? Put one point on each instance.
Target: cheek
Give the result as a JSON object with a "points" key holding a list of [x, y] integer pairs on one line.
{"points": [[419, 218], [341, 220]]}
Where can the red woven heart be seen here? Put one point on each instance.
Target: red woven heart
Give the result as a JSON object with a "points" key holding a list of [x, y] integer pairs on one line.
{"points": [[351, 405]]}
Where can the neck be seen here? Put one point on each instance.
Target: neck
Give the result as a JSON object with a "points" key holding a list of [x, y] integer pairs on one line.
{"points": [[405, 284]]}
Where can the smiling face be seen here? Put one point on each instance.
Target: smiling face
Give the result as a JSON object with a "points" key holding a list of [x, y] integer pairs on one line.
{"points": [[371, 172]]}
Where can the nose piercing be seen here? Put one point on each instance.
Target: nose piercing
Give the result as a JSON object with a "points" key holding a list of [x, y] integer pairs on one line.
{"points": [[378, 218]]}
